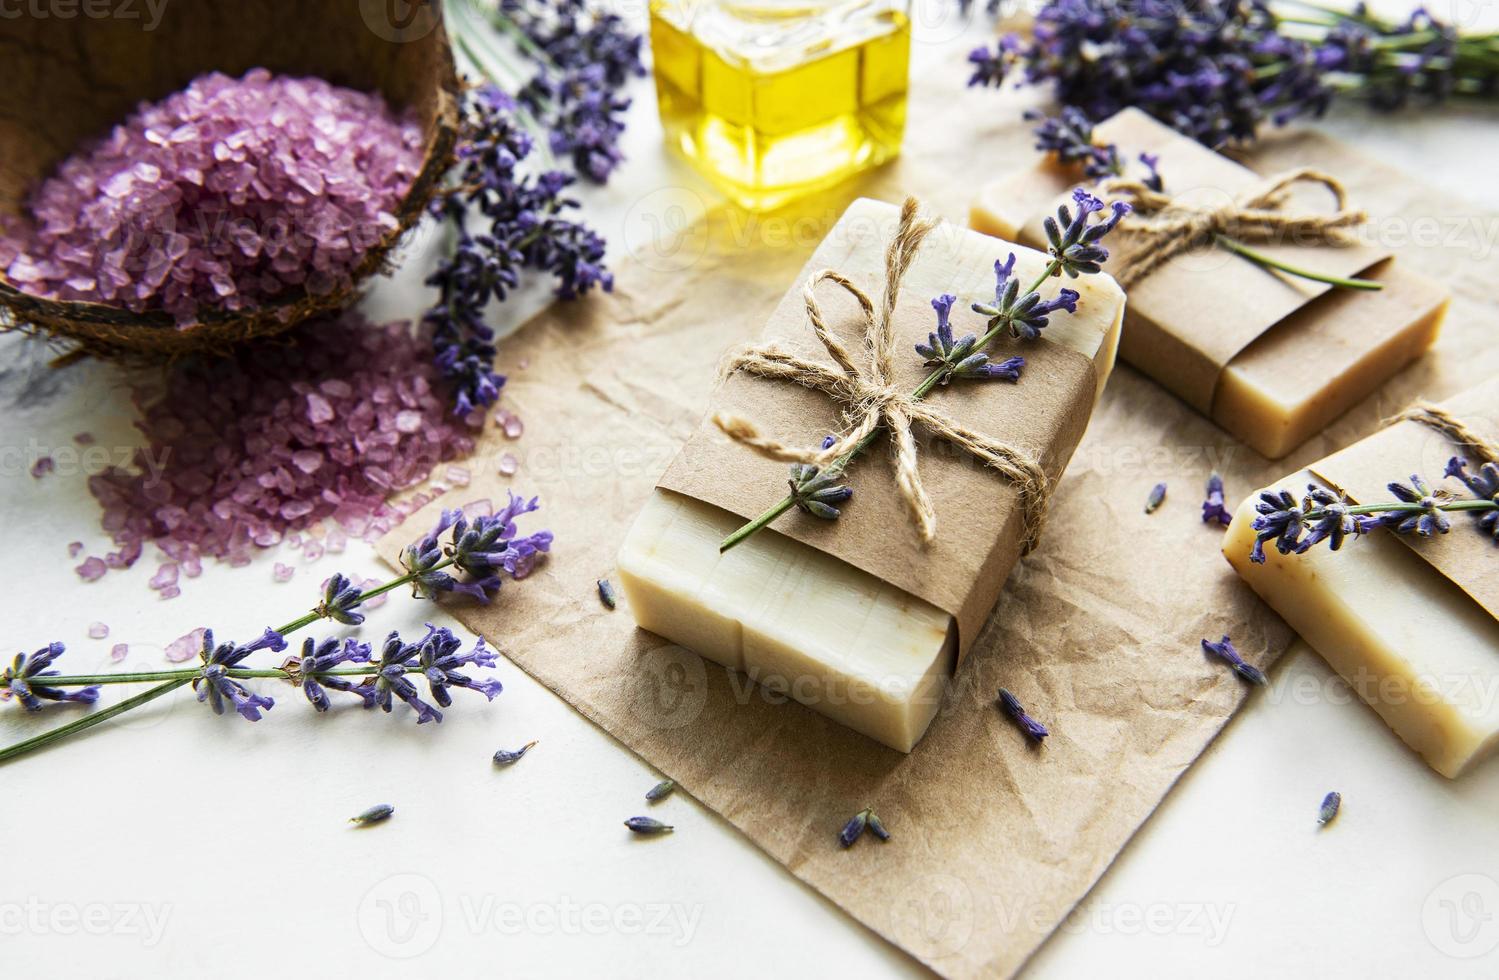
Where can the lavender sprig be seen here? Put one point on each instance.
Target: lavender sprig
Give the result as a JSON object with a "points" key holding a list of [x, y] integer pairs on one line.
{"points": [[1215, 69], [331, 664], [523, 227], [1295, 526], [1078, 251], [1070, 137]]}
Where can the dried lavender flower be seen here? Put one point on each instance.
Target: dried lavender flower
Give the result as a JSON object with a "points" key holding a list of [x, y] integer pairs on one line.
{"points": [[1012, 707], [481, 549], [1025, 316], [340, 598], [1483, 485], [606, 594], [1224, 650], [854, 829], [958, 358], [1329, 809], [877, 826], [214, 685], [1073, 240], [1426, 521], [661, 790], [1213, 509], [312, 668], [435, 656], [648, 825], [1156, 498], [25, 680], [375, 814], [815, 489], [506, 757]]}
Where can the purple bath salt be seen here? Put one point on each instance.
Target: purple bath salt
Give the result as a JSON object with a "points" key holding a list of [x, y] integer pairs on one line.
{"points": [[97, 631], [226, 475], [186, 647], [228, 195], [43, 466], [282, 573], [91, 570], [119, 652]]}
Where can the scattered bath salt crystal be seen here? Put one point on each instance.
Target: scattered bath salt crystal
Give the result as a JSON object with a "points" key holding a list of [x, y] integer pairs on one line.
{"points": [[97, 631], [248, 469], [282, 573], [408, 421], [298, 178], [513, 427], [75, 548], [43, 466], [508, 465], [91, 570], [478, 508], [336, 541], [119, 652], [459, 476], [312, 552], [170, 592], [165, 577], [84, 438], [377, 601], [318, 409], [186, 647]]}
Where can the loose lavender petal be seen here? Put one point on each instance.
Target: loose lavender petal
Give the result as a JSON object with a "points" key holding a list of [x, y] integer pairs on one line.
{"points": [[375, 814], [506, 757], [661, 790], [854, 829], [877, 826], [1329, 809], [1224, 650], [1012, 707], [648, 825], [1156, 498], [1213, 509], [606, 594]]}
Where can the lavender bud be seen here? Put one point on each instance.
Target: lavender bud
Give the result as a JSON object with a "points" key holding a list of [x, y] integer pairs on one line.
{"points": [[375, 814], [661, 790], [606, 594], [1329, 809], [1225, 651], [506, 757], [1012, 707], [648, 825], [854, 828], [1156, 498]]}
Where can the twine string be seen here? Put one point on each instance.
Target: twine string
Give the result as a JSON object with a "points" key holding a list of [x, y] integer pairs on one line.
{"points": [[869, 399]]}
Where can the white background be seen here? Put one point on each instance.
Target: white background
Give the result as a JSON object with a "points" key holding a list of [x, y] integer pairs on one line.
{"points": [[178, 843]]}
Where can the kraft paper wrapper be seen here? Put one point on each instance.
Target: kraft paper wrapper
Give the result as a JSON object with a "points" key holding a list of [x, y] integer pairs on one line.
{"points": [[1192, 315], [1097, 630], [979, 520], [1363, 470]]}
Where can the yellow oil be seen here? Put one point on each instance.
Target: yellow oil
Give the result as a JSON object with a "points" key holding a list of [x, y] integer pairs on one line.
{"points": [[807, 93]]}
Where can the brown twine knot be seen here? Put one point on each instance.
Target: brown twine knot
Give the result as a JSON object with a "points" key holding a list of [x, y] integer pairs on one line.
{"points": [[1173, 226], [869, 398], [1454, 428]]}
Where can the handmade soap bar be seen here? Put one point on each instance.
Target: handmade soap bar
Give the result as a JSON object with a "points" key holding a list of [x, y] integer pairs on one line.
{"points": [[1321, 352], [793, 617], [1412, 644]]}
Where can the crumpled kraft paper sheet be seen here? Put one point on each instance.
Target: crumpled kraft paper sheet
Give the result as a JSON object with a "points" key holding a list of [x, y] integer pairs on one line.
{"points": [[1097, 631]]}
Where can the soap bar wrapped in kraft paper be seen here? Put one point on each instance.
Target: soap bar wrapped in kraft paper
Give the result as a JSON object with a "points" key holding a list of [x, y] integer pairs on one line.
{"points": [[1269, 356], [1411, 620], [865, 592]]}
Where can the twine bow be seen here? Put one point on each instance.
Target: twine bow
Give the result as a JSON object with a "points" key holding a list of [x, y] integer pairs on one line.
{"points": [[870, 399], [1171, 226], [1454, 428]]}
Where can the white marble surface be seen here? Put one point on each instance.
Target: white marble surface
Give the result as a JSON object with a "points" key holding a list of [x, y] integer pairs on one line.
{"points": [[176, 843]]}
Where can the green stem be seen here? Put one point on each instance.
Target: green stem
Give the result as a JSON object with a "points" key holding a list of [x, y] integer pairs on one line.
{"points": [[997, 325], [1452, 505], [1260, 258], [89, 721], [174, 679]]}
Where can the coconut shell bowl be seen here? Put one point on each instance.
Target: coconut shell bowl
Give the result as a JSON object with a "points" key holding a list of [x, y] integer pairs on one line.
{"points": [[70, 80]]}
